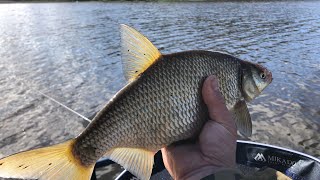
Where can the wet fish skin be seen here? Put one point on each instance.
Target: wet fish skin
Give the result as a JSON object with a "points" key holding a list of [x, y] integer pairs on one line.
{"points": [[255, 78], [162, 106]]}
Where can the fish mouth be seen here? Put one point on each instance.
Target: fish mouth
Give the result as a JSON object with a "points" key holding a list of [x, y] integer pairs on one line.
{"points": [[269, 76]]}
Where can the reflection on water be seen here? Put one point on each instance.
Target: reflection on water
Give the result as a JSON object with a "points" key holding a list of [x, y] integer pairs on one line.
{"points": [[71, 52]]}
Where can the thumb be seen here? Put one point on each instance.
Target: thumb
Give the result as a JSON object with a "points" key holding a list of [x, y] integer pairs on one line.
{"points": [[216, 105]]}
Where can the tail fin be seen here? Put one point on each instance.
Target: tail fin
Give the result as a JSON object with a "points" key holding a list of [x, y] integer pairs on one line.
{"points": [[53, 162]]}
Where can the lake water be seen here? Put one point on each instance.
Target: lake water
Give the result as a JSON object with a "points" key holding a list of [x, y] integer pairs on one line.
{"points": [[70, 51]]}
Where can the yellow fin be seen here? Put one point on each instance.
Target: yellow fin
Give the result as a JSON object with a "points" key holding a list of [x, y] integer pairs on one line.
{"points": [[242, 118], [53, 162], [138, 161], [138, 53]]}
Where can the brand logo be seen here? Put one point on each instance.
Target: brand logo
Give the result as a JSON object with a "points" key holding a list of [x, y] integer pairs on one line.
{"points": [[275, 160], [260, 157], [279, 160]]}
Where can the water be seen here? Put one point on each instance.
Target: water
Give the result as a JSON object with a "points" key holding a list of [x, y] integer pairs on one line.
{"points": [[71, 52]]}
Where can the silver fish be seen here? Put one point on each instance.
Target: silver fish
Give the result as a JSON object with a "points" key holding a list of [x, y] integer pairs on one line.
{"points": [[160, 105]]}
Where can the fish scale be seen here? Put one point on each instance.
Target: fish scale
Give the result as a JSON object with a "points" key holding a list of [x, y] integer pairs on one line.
{"points": [[185, 109], [162, 104]]}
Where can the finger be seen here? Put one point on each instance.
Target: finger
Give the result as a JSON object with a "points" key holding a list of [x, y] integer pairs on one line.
{"points": [[216, 105], [167, 160], [218, 144]]}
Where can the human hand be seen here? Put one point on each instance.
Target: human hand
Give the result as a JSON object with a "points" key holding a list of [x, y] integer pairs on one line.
{"points": [[215, 148]]}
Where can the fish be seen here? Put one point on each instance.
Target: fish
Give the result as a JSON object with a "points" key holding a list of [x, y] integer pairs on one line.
{"points": [[160, 105]]}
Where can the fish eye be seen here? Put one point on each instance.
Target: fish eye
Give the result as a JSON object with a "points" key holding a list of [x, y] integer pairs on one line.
{"points": [[263, 75]]}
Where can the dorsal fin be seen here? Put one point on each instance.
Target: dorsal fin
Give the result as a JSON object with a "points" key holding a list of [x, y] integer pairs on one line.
{"points": [[138, 53]]}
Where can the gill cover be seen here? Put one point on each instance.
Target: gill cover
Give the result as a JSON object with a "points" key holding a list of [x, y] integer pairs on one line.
{"points": [[255, 78]]}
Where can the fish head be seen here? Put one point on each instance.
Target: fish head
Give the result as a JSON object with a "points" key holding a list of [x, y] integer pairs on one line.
{"points": [[255, 78]]}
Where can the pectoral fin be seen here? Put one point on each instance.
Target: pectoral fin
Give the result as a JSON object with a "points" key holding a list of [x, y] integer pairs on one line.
{"points": [[138, 53], [242, 118], [138, 161]]}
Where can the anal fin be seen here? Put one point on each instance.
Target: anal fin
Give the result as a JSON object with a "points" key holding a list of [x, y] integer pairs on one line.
{"points": [[138, 161], [242, 118]]}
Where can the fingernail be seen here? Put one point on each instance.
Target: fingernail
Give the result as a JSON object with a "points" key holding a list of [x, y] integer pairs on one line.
{"points": [[214, 83]]}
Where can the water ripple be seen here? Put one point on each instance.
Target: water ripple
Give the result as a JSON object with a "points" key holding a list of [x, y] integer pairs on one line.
{"points": [[71, 52]]}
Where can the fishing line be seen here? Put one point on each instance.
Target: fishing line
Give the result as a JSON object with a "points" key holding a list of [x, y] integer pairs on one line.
{"points": [[66, 107], [23, 81], [49, 97]]}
